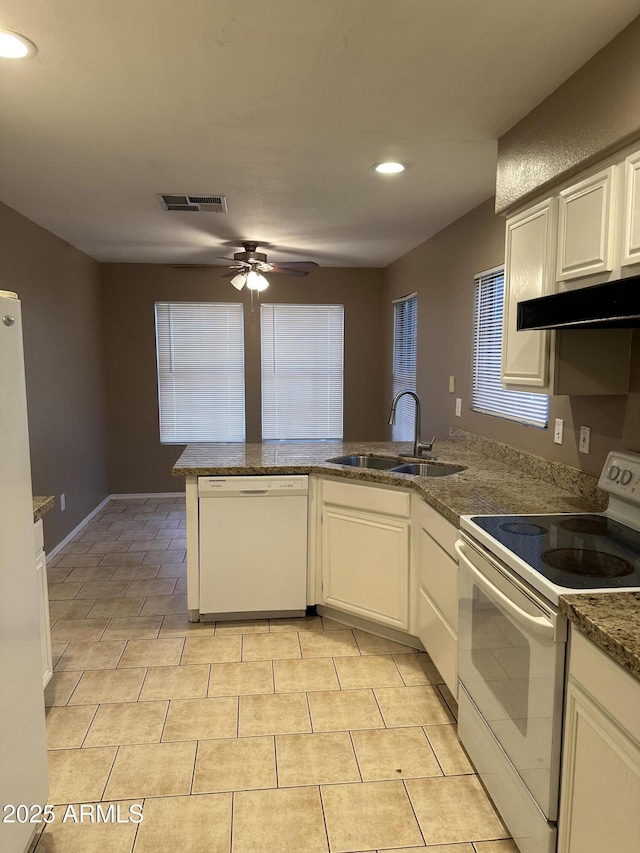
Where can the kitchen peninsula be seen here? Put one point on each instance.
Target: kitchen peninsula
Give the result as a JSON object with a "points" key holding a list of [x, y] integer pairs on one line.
{"points": [[486, 485], [380, 543], [496, 479]]}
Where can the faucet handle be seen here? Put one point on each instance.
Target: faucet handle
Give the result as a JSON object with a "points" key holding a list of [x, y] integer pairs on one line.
{"points": [[426, 446]]}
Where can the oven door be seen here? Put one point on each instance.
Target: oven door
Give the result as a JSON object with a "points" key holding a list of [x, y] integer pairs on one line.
{"points": [[511, 664]]}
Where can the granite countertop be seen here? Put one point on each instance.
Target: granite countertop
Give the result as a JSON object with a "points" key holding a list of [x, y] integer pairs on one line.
{"points": [[41, 505], [612, 621], [515, 483], [486, 486]]}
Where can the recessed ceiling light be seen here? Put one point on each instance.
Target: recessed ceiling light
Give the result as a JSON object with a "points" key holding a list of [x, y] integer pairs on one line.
{"points": [[389, 168], [15, 46]]}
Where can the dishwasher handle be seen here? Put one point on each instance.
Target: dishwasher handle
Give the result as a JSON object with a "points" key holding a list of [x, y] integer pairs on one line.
{"points": [[540, 625]]}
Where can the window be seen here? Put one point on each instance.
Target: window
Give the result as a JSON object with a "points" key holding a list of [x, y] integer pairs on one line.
{"points": [[405, 352], [489, 397], [302, 372], [200, 352]]}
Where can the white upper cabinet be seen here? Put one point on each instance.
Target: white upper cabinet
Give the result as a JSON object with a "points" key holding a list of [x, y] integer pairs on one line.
{"points": [[631, 224], [586, 226], [586, 234], [530, 252]]}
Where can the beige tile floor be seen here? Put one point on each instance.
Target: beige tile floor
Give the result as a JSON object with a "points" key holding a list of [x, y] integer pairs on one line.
{"points": [[286, 736]]}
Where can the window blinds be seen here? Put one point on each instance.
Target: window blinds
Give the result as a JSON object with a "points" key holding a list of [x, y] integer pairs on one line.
{"points": [[489, 397], [405, 353], [200, 353], [302, 350]]}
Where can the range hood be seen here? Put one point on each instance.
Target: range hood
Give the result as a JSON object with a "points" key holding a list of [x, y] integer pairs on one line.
{"points": [[614, 305]]}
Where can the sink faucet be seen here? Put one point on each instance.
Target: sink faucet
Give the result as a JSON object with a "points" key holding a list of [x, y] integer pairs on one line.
{"points": [[418, 447]]}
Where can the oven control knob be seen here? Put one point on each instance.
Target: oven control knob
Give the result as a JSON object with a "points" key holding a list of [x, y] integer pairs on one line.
{"points": [[625, 477], [613, 472]]}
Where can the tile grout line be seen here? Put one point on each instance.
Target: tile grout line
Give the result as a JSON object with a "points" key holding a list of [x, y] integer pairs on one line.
{"points": [[415, 816], [355, 753], [435, 754], [375, 697], [324, 817]]}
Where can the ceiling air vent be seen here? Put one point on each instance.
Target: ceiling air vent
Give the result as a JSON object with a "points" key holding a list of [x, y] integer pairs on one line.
{"points": [[195, 203]]}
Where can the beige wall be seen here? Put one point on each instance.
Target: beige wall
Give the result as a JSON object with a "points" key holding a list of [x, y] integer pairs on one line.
{"points": [[596, 112], [59, 288], [137, 460], [441, 270]]}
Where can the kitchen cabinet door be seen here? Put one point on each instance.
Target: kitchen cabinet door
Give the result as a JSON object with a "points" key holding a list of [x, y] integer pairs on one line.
{"points": [[437, 592], [600, 803], [530, 248], [631, 228], [365, 565], [43, 604], [586, 227]]}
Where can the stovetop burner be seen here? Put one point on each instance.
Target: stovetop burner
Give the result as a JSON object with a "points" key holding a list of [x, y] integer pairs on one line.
{"points": [[522, 528], [582, 561], [593, 525]]}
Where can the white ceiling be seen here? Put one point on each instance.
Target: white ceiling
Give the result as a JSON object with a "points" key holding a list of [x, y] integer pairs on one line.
{"points": [[282, 106]]}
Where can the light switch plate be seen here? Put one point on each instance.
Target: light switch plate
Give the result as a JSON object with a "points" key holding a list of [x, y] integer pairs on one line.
{"points": [[558, 431], [585, 439], [452, 384], [458, 407]]}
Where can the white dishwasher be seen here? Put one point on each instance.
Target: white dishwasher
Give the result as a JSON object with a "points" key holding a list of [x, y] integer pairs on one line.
{"points": [[253, 546]]}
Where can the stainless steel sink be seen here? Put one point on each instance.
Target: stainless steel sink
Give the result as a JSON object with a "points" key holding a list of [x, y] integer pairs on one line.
{"points": [[364, 460], [428, 469]]}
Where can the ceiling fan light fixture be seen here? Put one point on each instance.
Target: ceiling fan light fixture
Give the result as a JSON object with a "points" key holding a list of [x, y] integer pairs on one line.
{"points": [[256, 281], [15, 46], [389, 168], [239, 281]]}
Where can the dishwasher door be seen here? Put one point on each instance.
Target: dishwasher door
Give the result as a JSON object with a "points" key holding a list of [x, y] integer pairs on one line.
{"points": [[253, 546]]}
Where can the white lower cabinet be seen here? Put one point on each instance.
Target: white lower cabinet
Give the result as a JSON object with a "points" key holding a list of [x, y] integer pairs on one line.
{"points": [[388, 557], [43, 603], [437, 590], [600, 786], [365, 552]]}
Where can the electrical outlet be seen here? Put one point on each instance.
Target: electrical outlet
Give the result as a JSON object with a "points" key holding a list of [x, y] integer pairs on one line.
{"points": [[458, 407], [585, 439], [558, 431], [63, 503], [452, 384]]}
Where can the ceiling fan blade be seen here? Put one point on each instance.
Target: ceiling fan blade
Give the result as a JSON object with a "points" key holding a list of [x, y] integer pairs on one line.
{"points": [[233, 260], [297, 264], [193, 266], [285, 271]]}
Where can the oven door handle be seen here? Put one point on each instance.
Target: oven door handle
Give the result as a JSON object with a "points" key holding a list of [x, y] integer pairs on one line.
{"points": [[538, 624]]}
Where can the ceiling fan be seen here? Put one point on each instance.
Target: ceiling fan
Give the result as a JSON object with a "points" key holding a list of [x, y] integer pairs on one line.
{"points": [[247, 267]]}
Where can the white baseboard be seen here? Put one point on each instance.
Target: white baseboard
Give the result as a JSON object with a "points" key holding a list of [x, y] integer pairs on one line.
{"points": [[51, 554], [77, 528], [148, 495]]}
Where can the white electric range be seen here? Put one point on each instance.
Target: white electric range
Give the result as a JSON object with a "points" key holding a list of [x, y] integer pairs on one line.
{"points": [[512, 639]]}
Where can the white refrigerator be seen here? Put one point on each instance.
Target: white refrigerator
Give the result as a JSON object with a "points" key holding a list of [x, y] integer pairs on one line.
{"points": [[23, 756]]}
